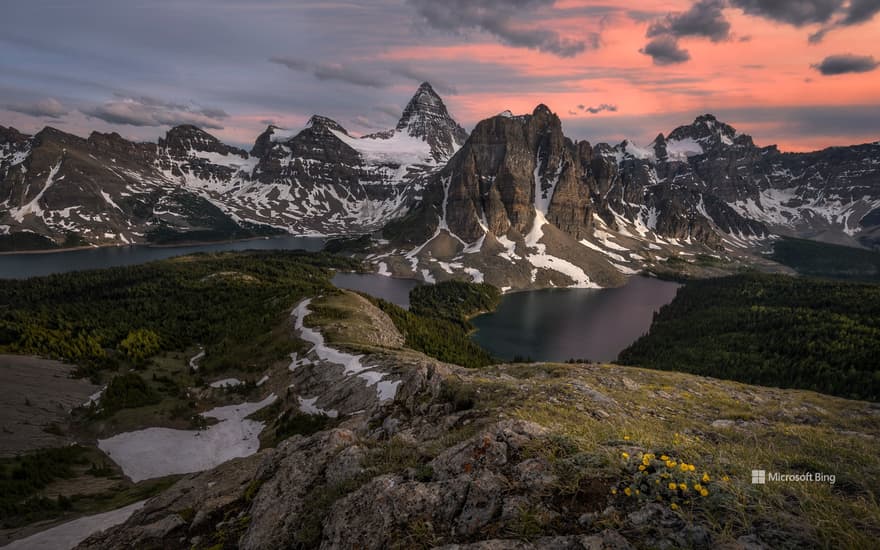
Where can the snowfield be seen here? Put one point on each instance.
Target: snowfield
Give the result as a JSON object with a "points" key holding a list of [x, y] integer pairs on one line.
{"points": [[226, 383], [67, 535], [157, 452], [352, 365]]}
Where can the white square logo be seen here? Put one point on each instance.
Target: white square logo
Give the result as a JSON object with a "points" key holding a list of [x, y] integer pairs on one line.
{"points": [[759, 477]]}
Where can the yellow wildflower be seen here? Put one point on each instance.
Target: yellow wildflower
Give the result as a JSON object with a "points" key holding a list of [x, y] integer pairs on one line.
{"points": [[637, 491], [664, 458], [626, 438], [684, 467], [624, 455], [704, 492], [674, 506], [627, 491], [670, 464], [725, 478], [698, 487], [613, 491], [672, 486], [641, 467], [691, 467], [706, 477], [683, 486]]}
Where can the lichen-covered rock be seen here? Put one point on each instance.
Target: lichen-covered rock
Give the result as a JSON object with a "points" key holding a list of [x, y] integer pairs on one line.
{"points": [[286, 477], [190, 507], [380, 512], [606, 540]]}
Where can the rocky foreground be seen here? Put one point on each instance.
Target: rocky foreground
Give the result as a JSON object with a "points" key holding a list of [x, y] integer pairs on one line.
{"points": [[522, 456]]}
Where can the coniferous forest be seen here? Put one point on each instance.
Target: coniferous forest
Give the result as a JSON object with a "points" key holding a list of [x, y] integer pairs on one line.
{"points": [[770, 330], [227, 303]]}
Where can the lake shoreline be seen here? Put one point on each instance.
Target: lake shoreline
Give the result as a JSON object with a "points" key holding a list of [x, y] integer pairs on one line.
{"points": [[183, 244]]}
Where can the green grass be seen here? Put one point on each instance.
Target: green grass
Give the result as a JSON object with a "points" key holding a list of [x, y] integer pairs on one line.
{"points": [[673, 414]]}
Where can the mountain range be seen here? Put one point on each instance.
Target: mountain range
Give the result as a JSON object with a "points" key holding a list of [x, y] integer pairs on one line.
{"points": [[515, 202]]}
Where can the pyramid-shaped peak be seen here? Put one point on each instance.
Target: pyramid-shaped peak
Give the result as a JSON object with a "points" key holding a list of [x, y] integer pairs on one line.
{"points": [[424, 103], [426, 88], [426, 117]]}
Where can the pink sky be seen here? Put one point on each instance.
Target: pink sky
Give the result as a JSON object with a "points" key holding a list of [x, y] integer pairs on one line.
{"points": [[770, 68]]}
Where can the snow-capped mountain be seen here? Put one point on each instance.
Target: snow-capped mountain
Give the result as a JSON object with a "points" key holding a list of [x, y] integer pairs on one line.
{"points": [[516, 203], [521, 205], [319, 180]]}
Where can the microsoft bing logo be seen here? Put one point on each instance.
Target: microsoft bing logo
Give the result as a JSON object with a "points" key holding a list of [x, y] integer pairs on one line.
{"points": [[759, 477]]}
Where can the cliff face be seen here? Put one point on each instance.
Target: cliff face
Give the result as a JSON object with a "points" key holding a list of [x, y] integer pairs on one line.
{"points": [[509, 165], [519, 456]]}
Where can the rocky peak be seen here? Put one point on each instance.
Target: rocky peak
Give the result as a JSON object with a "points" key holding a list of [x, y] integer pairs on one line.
{"points": [[322, 124], [184, 139], [11, 135], [426, 117], [54, 135], [707, 130], [116, 146], [263, 144]]}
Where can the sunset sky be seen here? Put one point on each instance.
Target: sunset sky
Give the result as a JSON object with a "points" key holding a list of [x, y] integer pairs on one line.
{"points": [[800, 73]]}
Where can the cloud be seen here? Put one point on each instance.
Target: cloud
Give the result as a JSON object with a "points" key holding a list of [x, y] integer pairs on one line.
{"points": [[792, 12], [846, 63], [330, 71], [599, 108], [147, 111], [704, 19], [856, 12], [861, 11], [664, 50], [49, 108], [392, 111], [494, 17]]}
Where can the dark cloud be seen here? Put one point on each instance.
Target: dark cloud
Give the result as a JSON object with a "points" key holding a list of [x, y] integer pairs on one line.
{"points": [[495, 18], [861, 11], [49, 108], [846, 63], [146, 111], [704, 19], [818, 36], [327, 71], [856, 12], [792, 12], [599, 108], [664, 50]]}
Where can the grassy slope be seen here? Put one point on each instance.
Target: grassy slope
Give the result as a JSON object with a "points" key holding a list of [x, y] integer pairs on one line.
{"points": [[597, 412], [723, 428]]}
